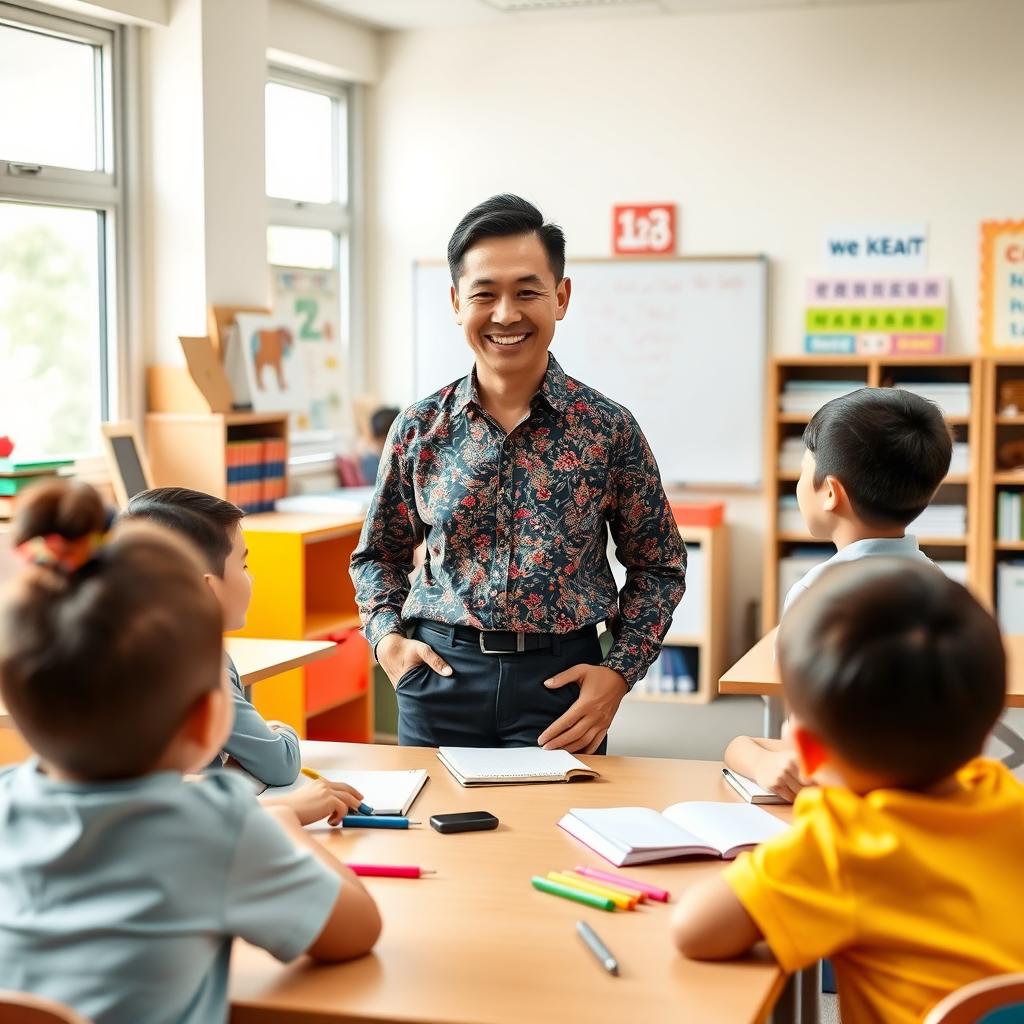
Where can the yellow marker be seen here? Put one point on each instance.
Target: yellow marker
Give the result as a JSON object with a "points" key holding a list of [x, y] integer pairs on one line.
{"points": [[311, 773], [622, 902], [640, 897]]}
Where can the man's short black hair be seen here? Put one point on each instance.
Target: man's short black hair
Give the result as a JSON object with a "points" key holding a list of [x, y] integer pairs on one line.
{"points": [[888, 447], [499, 217], [896, 667], [381, 420], [207, 521]]}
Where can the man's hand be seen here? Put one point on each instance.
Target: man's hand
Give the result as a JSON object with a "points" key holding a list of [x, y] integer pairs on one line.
{"points": [[397, 655], [582, 728]]}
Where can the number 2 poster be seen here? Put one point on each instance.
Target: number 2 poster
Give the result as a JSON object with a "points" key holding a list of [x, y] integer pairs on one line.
{"points": [[310, 299]]}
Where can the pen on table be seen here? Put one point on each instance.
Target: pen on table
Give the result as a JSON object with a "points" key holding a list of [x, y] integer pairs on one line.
{"points": [[597, 947], [568, 892], [389, 870], [376, 821], [653, 892], [312, 773]]}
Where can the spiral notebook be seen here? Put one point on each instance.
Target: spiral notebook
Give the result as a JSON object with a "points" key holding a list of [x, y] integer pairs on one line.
{"points": [[511, 766]]}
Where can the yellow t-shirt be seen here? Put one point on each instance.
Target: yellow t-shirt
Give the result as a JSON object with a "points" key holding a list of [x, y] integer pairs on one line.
{"points": [[910, 895]]}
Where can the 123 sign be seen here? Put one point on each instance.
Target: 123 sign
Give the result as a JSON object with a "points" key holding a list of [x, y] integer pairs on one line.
{"points": [[644, 229]]}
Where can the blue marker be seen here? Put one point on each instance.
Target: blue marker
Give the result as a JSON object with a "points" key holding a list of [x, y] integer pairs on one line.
{"points": [[365, 809], [375, 821]]}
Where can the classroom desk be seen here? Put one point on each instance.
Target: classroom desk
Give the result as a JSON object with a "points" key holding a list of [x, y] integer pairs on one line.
{"points": [[255, 660], [475, 943], [755, 671], [258, 659]]}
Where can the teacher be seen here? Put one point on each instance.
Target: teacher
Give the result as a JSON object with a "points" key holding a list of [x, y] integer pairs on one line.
{"points": [[514, 475]]}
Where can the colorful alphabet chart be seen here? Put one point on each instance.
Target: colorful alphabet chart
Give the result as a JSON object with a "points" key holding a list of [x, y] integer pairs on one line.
{"points": [[1001, 290], [865, 315]]}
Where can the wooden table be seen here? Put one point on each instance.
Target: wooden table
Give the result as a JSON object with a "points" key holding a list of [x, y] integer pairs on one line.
{"points": [[756, 672], [258, 659], [255, 660], [475, 943]]}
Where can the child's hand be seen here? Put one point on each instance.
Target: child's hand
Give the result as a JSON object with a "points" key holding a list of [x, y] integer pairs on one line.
{"points": [[780, 773], [319, 799]]}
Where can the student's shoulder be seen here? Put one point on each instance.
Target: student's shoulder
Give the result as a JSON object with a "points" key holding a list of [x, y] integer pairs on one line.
{"points": [[222, 794]]}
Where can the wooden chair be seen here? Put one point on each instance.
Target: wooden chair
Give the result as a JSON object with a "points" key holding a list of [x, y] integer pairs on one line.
{"points": [[22, 1008], [970, 1004]]}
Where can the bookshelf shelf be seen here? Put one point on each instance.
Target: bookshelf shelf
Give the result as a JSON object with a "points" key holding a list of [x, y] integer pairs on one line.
{"points": [[874, 372]]}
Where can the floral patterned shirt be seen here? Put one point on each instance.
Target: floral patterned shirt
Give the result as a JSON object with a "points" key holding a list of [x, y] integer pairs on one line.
{"points": [[516, 524]]}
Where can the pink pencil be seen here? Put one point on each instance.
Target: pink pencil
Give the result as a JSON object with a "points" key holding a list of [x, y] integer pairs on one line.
{"points": [[389, 870], [661, 895]]}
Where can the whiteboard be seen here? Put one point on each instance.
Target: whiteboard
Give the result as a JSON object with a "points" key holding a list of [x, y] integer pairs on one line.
{"points": [[681, 343]]}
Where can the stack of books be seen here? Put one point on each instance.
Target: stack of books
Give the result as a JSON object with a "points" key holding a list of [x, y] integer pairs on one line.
{"points": [[18, 474], [791, 455], [1008, 516], [808, 396], [946, 521], [256, 473], [960, 463], [790, 520], [675, 671], [954, 399]]}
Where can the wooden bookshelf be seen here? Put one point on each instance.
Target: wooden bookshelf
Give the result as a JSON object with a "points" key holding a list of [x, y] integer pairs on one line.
{"points": [[882, 371], [1001, 426], [710, 646], [302, 591], [190, 449]]}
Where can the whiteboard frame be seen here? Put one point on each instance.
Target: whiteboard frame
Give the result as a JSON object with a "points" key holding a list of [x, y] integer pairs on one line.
{"points": [[753, 487]]}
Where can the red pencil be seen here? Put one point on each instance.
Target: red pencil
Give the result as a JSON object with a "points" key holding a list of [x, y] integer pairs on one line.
{"points": [[389, 870]]}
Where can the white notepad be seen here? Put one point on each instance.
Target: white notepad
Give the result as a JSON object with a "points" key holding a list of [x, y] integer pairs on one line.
{"points": [[387, 792], [638, 835], [510, 766], [750, 790]]}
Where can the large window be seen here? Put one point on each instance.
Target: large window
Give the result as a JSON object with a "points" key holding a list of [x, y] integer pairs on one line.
{"points": [[309, 234], [61, 201]]}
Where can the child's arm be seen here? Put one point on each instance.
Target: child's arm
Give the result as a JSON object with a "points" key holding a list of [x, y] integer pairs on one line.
{"points": [[354, 924], [271, 755], [711, 924], [770, 763], [318, 799]]}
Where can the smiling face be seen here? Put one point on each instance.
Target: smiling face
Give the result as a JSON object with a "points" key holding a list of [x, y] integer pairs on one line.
{"points": [[507, 302]]}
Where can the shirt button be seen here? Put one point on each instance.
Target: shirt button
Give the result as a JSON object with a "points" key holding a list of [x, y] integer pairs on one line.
{"points": [[494, 592]]}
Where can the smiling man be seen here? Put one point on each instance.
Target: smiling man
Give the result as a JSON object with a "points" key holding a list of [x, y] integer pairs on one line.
{"points": [[514, 475]]}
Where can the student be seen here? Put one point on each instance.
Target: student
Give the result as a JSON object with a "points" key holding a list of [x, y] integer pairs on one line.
{"points": [[873, 461], [904, 867], [122, 885], [269, 751], [380, 425]]}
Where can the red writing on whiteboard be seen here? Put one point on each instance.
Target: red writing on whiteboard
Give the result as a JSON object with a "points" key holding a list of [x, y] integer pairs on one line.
{"points": [[644, 229]]}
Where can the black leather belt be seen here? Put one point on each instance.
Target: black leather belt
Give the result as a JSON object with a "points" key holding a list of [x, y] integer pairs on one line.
{"points": [[503, 641]]}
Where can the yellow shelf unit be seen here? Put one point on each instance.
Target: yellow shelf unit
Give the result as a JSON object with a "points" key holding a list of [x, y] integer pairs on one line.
{"points": [[881, 371], [712, 643], [302, 591]]}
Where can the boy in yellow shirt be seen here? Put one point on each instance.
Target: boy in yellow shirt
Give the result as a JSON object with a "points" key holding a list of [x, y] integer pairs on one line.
{"points": [[903, 866]]}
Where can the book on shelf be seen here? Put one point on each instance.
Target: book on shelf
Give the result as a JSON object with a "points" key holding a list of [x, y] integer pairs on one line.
{"points": [[808, 396], [256, 473], [1008, 515], [952, 397], [1010, 596]]}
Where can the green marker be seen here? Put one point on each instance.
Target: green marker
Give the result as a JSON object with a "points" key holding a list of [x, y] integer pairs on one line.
{"points": [[569, 893]]}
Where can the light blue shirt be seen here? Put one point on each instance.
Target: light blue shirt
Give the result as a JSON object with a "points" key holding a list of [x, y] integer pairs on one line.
{"points": [[120, 899], [272, 757], [888, 547]]}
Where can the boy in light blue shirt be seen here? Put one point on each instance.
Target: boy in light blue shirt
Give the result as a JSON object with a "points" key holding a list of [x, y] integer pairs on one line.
{"points": [[122, 885], [873, 461]]}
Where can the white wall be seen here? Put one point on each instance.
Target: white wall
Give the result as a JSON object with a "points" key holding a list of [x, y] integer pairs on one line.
{"points": [[763, 126]]}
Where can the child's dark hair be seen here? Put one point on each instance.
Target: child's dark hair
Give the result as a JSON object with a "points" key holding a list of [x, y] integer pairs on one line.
{"points": [[381, 420], [99, 665], [897, 668], [888, 447], [502, 216], [207, 521]]}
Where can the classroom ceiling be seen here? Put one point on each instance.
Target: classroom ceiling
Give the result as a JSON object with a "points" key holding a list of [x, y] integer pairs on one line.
{"points": [[417, 14]]}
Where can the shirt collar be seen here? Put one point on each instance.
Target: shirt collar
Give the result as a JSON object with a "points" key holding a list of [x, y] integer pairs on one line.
{"points": [[554, 388]]}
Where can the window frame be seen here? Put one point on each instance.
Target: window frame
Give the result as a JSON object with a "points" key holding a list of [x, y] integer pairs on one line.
{"points": [[343, 219], [103, 190]]}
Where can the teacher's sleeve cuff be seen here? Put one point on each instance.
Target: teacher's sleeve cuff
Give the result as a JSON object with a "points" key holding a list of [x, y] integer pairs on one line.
{"points": [[625, 665], [380, 626]]}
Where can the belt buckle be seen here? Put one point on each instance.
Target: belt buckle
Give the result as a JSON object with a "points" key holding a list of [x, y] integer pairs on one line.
{"points": [[520, 643]]}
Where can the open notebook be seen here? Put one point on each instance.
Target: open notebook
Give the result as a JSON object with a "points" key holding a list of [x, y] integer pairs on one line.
{"points": [[387, 792], [509, 766], [637, 835]]}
